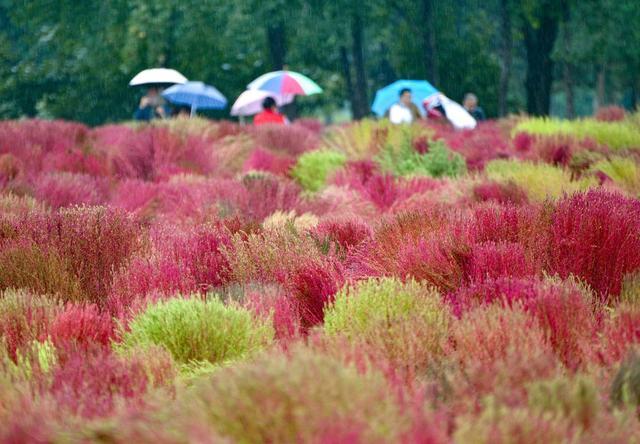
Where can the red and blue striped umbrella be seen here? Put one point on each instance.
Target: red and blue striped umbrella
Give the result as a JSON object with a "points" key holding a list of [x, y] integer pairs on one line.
{"points": [[286, 82]]}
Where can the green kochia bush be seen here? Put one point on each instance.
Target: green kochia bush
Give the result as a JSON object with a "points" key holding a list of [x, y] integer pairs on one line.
{"points": [[313, 168], [198, 330], [405, 324], [438, 161], [367, 305], [616, 135]]}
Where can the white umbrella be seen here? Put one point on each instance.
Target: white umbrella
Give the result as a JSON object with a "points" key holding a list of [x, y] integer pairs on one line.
{"points": [[250, 101], [455, 113], [157, 75]]}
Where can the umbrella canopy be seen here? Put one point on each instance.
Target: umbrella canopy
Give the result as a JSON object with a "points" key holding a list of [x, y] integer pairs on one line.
{"points": [[196, 95], [285, 82], [387, 96], [157, 75], [250, 101]]}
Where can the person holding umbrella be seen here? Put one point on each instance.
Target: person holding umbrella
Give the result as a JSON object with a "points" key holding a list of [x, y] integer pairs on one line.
{"points": [[269, 114], [404, 111], [152, 106]]}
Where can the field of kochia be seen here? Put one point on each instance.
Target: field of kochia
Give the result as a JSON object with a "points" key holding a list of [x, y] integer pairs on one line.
{"points": [[198, 281]]}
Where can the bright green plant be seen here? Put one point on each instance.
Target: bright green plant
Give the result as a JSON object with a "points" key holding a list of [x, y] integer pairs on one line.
{"points": [[359, 308], [540, 180], [616, 135], [623, 171], [404, 160], [314, 167], [198, 330]]}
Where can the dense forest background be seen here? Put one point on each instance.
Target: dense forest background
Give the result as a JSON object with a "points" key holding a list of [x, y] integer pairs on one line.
{"points": [[72, 59]]}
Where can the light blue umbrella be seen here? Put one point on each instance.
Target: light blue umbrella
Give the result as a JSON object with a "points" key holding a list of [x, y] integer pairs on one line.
{"points": [[387, 96], [197, 95]]}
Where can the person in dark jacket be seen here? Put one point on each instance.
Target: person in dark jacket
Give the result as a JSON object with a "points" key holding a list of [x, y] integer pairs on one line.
{"points": [[470, 103], [152, 106]]}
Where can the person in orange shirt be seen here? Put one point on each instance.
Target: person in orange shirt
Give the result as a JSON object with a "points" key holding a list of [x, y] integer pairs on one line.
{"points": [[269, 113]]}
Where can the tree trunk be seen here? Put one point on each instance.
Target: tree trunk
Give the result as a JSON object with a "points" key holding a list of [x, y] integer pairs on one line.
{"points": [[346, 73], [567, 67], [506, 50], [569, 89], [428, 37], [276, 39], [601, 99], [359, 102], [539, 42]]}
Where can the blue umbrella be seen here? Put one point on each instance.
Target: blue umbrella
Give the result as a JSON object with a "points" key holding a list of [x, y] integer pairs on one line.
{"points": [[387, 96], [196, 95]]}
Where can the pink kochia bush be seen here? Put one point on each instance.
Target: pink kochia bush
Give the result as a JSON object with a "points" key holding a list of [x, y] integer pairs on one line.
{"points": [[87, 243], [594, 236], [263, 160], [179, 262], [562, 310], [81, 326]]}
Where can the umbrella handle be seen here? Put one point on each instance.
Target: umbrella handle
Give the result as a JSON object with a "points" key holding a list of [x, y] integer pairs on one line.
{"points": [[193, 110]]}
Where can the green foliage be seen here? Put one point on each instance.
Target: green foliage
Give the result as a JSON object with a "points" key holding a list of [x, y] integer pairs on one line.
{"points": [[360, 308], [198, 330], [404, 323], [280, 398], [501, 423], [439, 161], [575, 398], [624, 171], [540, 180], [630, 292], [616, 135], [313, 168], [625, 388]]}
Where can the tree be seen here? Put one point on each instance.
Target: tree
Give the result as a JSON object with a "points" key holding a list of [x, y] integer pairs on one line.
{"points": [[540, 21]]}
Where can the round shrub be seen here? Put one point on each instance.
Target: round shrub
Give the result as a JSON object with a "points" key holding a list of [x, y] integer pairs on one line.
{"points": [[198, 330], [403, 324], [299, 398], [313, 168], [359, 308], [595, 236]]}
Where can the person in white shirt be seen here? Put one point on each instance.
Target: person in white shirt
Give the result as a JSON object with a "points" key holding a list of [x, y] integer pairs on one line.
{"points": [[404, 111]]}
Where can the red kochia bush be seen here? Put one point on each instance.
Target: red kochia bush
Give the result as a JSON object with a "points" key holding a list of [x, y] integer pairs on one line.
{"points": [[92, 242], [181, 261], [346, 233], [479, 146], [264, 160], [621, 332], [66, 189], [290, 139], [91, 384], [491, 260], [266, 194], [82, 326], [610, 113], [506, 290], [595, 236], [313, 285], [32, 140], [561, 308], [499, 192], [567, 316]]}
